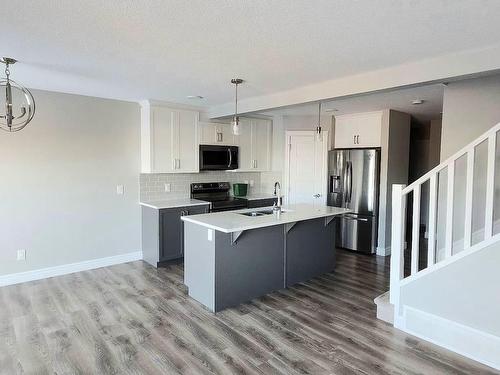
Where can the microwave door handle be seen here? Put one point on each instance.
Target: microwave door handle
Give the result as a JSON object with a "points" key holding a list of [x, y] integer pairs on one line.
{"points": [[230, 158]]}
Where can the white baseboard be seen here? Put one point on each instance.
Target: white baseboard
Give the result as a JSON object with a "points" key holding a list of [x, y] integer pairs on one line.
{"points": [[43, 273], [469, 342], [384, 251]]}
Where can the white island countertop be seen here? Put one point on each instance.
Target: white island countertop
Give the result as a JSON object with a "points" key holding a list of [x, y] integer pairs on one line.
{"points": [[234, 221], [255, 197], [173, 203]]}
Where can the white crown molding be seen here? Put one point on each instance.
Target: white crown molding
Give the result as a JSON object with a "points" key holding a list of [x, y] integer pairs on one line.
{"points": [[43, 273], [160, 103]]}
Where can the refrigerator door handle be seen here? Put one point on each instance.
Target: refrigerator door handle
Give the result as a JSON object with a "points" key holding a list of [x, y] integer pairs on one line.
{"points": [[349, 173], [344, 185]]}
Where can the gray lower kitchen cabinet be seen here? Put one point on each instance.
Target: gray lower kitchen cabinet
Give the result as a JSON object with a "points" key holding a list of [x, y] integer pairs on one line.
{"points": [[172, 230], [257, 203], [163, 232]]}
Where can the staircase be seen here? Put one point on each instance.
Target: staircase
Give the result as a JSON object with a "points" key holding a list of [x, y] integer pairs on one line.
{"points": [[448, 290]]}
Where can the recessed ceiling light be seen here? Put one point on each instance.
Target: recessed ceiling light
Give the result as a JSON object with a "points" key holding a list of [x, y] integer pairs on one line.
{"points": [[195, 97], [417, 102], [331, 110]]}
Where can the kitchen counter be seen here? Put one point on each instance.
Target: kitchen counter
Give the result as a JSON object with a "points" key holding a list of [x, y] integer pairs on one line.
{"points": [[173, 203], [230, 258], [254, 197], [234, 221]]}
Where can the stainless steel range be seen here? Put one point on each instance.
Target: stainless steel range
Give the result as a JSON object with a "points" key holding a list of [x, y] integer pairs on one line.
{"points": [[217, 194]]}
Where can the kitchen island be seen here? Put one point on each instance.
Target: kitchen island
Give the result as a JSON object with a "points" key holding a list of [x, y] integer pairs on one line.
{"points": [[232, 257]]}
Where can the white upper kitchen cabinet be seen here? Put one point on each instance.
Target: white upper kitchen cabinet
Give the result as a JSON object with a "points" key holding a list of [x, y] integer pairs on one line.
{"points": [[169, 140], [358, 130], [213, 133], [245, 158], [254, 144]]}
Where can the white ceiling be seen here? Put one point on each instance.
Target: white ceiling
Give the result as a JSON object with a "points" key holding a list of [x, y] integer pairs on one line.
{"points": [[400, 100], [168, 49]]}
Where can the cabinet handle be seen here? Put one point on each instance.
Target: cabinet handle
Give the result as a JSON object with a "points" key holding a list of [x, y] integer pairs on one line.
{"points": [[357, 139], [354, 139], [176, 163]]}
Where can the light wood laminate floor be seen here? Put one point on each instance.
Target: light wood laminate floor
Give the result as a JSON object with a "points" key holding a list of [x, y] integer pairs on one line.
{"points": [[134, 319]]}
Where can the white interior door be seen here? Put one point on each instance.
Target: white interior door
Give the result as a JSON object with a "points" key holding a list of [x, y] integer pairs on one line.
{"points": [[306, 167]]}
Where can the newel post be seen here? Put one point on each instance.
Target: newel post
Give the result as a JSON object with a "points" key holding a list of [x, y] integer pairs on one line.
{"points": [[397, 243]]}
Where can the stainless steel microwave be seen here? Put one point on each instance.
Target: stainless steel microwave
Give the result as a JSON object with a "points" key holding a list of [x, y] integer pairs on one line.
{"points": [[217, 158]]}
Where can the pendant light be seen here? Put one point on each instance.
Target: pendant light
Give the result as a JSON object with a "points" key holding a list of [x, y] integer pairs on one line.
{"points": [[15, 118], [318, 127], [235, 123]]}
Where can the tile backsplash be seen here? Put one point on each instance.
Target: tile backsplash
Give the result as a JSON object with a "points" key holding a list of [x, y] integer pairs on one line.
{"points": [[152, 186]]}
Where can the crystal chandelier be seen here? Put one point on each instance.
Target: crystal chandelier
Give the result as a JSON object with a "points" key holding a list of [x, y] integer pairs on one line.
{"points": [[235, 123], [16, 118]]}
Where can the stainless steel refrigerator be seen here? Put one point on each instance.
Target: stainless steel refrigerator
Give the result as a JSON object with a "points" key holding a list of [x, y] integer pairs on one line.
{"points": [[354, 184]]}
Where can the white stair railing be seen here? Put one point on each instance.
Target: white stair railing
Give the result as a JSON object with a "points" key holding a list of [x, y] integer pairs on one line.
{"points": [[400, 195]]}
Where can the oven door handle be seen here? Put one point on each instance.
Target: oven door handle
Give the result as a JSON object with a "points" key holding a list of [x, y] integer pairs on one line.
{"points": [[230, 157]]}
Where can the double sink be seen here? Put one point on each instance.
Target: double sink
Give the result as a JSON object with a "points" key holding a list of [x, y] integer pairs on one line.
{"points": [[261, 212]]}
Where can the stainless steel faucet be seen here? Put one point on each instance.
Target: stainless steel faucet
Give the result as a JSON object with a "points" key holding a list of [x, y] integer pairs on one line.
{"points": [[277, 191]]}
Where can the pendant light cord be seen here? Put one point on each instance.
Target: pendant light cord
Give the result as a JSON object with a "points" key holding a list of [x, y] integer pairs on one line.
{"points": [[7, 71], [318, 127], [236, 102]]}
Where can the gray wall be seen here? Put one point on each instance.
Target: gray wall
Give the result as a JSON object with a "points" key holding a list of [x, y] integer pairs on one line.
{"points": [[393, 169], [58, 183], [435, 143], [470, 108]]}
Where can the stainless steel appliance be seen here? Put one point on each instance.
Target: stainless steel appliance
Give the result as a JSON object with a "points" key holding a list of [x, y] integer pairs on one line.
{"points": [[354, 184], [216, 158], [217, 194]]}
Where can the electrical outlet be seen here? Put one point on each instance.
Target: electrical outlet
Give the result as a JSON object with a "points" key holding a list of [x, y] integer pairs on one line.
{"points": [[21, 254], [251, 183], [246, 182], [120, 190], [167, 188]]}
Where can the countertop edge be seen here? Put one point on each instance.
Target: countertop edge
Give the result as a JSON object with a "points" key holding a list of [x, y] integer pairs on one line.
{"points": [[258, 197], [173, 205], [259, 225]]}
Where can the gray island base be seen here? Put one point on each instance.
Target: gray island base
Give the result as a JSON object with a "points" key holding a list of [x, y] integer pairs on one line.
{"points": [[231, 258]]}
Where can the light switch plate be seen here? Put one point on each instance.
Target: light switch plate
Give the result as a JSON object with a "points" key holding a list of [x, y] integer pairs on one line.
{"points": [[251, 183], [120, 190], [167, 188], [210, 235], [21, 254]]}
